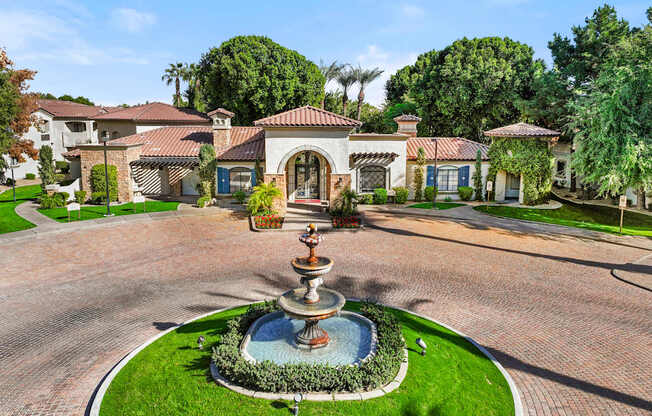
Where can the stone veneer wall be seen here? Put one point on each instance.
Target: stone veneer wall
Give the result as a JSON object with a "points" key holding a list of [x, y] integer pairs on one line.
{"points": [[120, 156], [334, 189], [280, 205]]}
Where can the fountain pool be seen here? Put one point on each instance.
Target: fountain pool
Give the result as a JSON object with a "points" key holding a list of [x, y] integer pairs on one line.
{"points": [[272, 338]]}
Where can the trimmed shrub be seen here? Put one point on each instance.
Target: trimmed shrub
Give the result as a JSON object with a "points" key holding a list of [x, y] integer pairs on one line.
{"points": [[240, 196], [62, 166], [430, 193], [269, 377], [98, 183], [366, 199], [401, 195], [46, 166], [48, 202], [100, 197], [380, 196], [203, 201], [465, 193], [30, 176], [448, 199], [9, 182], [63, 196], [80, 197]]}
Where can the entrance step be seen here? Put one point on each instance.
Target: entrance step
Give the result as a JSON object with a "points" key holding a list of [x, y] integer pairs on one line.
{"points": [[297, 220], [306, 206]]}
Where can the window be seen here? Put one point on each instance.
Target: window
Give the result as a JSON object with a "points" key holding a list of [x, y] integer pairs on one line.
{"points": [[76, 126], [372, 177], [114, 135], [240, 179], [45, 137], [561, 167], [447, 179]]}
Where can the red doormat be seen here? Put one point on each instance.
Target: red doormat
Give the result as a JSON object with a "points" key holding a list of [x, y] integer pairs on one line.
{"points": [[307, 201]]}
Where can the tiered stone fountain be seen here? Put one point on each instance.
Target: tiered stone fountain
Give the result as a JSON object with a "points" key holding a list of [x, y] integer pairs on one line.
{"points": [[350, 339]]}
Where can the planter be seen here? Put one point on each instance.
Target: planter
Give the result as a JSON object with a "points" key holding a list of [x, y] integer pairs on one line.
{"points": [[353, 221], [266, 222]]}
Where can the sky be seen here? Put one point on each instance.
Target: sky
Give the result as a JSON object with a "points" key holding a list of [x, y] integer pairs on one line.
{"points": [[115, 52]]}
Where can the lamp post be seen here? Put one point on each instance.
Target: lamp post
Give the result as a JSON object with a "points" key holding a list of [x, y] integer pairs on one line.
{"points": [[297, 399], [13, 179], [105, 139]]}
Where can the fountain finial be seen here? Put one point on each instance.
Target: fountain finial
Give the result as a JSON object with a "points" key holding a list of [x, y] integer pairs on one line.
{"points": [[311, 239]]}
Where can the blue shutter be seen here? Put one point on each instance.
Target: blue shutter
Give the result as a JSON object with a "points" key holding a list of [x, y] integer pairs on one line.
{"points": [[430, 177], [253, 177], [223, 185], [463, 176]]}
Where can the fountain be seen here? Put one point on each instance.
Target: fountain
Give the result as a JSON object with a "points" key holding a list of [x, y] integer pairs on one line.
{"points": [[295, 334]]}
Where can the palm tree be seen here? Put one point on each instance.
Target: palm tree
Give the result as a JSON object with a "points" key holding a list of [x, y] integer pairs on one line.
{"points": [[173, 73], [364, 77], [330, 72], [346, 78], [190, 74]]}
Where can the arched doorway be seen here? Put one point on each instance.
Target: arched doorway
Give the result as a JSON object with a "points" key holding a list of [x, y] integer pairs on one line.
{"points": [[307, 174]]}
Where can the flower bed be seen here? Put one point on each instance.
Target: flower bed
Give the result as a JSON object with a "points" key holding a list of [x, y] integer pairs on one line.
{"points": [[268, 222], [346, 222], [377, 371]]}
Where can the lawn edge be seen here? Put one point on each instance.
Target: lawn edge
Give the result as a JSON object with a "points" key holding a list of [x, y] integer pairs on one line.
{"points": [[93, 407]]}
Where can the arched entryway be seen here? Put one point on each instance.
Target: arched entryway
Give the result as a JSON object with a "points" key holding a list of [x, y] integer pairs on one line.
{"points": [[307, 175]]}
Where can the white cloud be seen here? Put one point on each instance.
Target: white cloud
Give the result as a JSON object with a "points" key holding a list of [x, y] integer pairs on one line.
{"points": [[19, 29], [132, 20], [389, 62]]}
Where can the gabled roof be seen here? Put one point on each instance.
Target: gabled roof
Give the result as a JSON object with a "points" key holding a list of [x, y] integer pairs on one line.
{"points": [[307, 116], [221, 111], [70, 109], [407, 117], [521, 130], [448, 148], [156, 112]]}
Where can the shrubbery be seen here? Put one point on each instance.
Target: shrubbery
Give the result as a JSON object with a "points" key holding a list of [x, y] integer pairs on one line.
{"points": [[448, 199], [100, 197], [430, 193], [240, 196], [346, 205], [267, 376], [401, 195], [62, 166], [380, 196], [366, 199], [56, 200], [203, 201], [80, 197], [465, 193], [30, 176], [98, 183]]}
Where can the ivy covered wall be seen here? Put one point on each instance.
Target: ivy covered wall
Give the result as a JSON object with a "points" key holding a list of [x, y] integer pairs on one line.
{"points": [[528, 156]]}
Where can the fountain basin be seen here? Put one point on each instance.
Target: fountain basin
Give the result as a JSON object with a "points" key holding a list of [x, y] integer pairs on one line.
{"points": [[272, 337], [330, 302]]}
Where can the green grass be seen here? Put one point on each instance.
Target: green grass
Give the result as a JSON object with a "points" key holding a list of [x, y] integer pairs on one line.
{"points": [[9, 220], [98, 211], [440, 205], [171, 377], [597, 218]]}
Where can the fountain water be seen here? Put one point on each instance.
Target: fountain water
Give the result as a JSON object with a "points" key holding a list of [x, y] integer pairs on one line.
{"points": [[274, 337]]}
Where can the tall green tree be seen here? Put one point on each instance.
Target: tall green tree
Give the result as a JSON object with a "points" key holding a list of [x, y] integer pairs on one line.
{"points": [[255, 77], [46, 168], [613, 120], [174, 73], [346, 78], [364, 77], [207, 170], [418, 174], [330, 72], [474, 85], [16, 112], [477, 177]]}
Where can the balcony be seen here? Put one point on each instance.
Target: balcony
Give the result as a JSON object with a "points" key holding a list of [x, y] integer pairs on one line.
{"points": [[70, 139]]}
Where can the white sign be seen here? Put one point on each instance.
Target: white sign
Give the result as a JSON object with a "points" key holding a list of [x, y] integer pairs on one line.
{"points": [[138, 199], [73, 206], [623, 202], [490, 186]]}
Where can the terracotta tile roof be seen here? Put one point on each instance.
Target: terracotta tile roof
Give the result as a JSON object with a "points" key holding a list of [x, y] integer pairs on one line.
{"points": [[407, 117], [59, 108], [71, 153], [521, 130], [221, 111], [449, 148], [399, 135], [247, 143], [156, 112], [307, 116]]}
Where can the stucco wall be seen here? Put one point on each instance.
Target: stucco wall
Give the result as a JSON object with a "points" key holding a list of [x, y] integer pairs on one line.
{"points": [[397, 168], [411, 165], [122, 127]]}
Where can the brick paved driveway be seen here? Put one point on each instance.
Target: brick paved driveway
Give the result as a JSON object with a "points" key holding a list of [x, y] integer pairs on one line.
{"points": [[576, 340]]}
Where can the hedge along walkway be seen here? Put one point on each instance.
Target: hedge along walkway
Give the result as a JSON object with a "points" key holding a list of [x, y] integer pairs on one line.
{"points": [[10, 221]]}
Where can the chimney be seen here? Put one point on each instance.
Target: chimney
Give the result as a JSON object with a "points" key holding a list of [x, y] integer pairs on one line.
{"points": [[221, 128], [407, 124]]}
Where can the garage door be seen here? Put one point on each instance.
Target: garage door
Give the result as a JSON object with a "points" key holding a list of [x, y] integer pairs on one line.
{"points": [[189, 183]]}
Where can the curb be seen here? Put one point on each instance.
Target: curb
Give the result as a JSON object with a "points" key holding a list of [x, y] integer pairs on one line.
{"points": [[93, 408]]}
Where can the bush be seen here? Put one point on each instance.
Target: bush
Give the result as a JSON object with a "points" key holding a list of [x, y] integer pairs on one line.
{"points": [[59, 177], [366, 199], [100, 197], [80, 197], [46, 166], [240, 196], [261, 202], [380, 196], [48, 201], [30, 176], [9, 182], [401, 195], [465, 193], [448, 199], [203, 201], [63, 197], [98, 183], [346, 205], [62, 166], [430, 193], [267, 376]]}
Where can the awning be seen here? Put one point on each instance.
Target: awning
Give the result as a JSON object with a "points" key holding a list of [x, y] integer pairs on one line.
{"points": [[159, 162], [378, 156]]}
